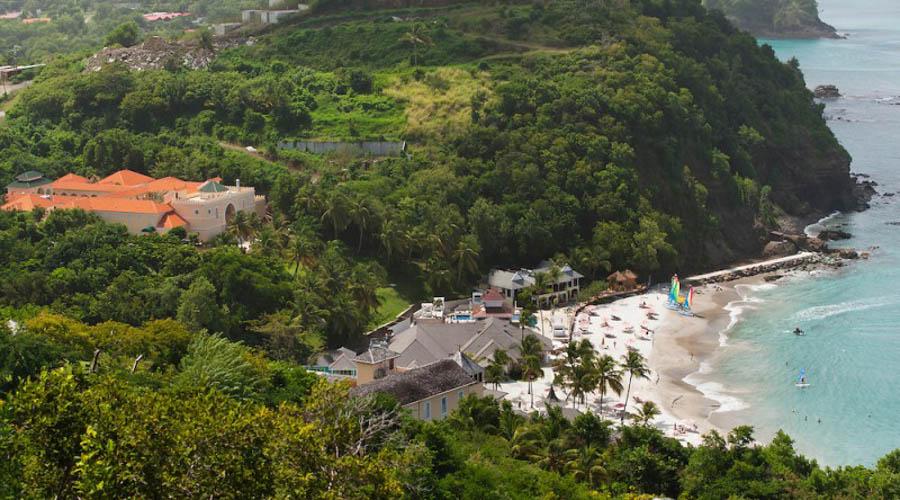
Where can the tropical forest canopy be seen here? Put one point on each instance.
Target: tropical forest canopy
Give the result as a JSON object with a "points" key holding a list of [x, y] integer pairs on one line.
{"points": [[648, 134]]}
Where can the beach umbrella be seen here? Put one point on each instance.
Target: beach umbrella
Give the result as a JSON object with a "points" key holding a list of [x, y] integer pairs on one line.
{"points": [[552, 395]]}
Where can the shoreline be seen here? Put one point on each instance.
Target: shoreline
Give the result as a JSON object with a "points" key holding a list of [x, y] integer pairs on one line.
{"points": [[685, 349], [680, 352]]}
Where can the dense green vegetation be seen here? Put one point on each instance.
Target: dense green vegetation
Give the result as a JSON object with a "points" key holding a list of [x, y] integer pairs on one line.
{"points": [[648, 134], [76, 265], [774, 17], [199, 416]]}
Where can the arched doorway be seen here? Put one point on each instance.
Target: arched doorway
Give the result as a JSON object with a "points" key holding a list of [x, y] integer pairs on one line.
{"points": [[229, 213]]}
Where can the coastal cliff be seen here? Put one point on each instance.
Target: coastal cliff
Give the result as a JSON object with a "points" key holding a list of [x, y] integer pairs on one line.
{"points": [[776, 18]]}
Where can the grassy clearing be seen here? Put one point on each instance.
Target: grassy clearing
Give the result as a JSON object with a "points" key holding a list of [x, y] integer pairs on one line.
{"points": [[440, 105], [392, 304], [357, 117]]}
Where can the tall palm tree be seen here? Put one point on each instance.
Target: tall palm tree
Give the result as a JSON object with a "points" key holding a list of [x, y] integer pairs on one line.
{"points": [[646, 413], [416, 37], [466, 256], [361, 214], [494, 374], [363, 286], [609, 377], [337, 212], [394, 240], [268, 242], [239, 227], [531, 346], [634, 364], [531, 371], [585, 465], [501, 357], [304, 246]]}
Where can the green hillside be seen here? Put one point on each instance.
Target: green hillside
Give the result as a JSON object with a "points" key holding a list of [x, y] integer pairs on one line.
{"points": [[648, 134], [776, 18]]}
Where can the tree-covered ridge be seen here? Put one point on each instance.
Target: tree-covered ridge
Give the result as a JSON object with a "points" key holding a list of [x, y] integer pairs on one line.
{"points": [[776, 18], [656, 136]]}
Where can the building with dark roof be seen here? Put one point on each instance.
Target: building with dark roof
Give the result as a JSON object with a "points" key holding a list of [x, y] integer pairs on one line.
{"points": [[426, 342], [30, 182], [564, 288], [374, 363], [430, 392]]}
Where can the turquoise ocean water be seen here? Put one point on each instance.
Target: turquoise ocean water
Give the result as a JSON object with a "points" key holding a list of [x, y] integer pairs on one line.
{"points": [[852, 317]]}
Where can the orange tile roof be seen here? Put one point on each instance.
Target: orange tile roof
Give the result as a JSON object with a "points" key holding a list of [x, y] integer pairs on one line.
{"points": [[163, 185], [87, 186], [172, 220], [126, 178], [71, 178], [124, 205], [29, 201]]}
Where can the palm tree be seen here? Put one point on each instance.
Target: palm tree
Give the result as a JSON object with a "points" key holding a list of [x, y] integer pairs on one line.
{"points": [[510, 421], [416, 37], [635, 365], [576, 370], [239, 227], [646, 413], [394, 240], [362, 215], [268, 243], [531, 371], [494, 374], [304, 246], [336, 212], [466, 256], [585, 465], [363, 286], [552, 457], [501, 357], [531, 346], [608, 377]]}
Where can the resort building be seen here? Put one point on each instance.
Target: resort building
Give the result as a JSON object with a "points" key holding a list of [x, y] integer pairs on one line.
{"points": [[564, 288], [141, 203], [430, 392], [425, 342]]}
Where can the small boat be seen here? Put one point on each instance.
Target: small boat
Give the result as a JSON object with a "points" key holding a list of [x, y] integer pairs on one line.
{"points": [[615, 318], [610, 335], [629, 329], [802, 382], [798, 332]]}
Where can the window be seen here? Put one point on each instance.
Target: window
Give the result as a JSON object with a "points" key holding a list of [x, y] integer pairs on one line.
{"points": [[443, 406], [196, 212], [461, 395], [427, 410]]}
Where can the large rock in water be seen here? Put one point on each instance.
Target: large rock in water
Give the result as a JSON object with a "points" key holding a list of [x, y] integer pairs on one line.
{"points": [[834, 234], [827, 92], [779, 249]]}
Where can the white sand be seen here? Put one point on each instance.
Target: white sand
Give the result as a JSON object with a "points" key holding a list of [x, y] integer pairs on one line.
{"points": [[659, 348]]}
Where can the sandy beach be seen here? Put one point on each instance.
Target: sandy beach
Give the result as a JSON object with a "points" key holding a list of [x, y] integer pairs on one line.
{"points": [[675, 346]]}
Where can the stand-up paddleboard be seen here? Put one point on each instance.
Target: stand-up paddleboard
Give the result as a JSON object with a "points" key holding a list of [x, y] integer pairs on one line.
{"points": [[802, 383]]}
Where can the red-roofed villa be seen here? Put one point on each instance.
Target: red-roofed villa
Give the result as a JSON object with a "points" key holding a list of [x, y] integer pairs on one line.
{"points": [[143, 204]]}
